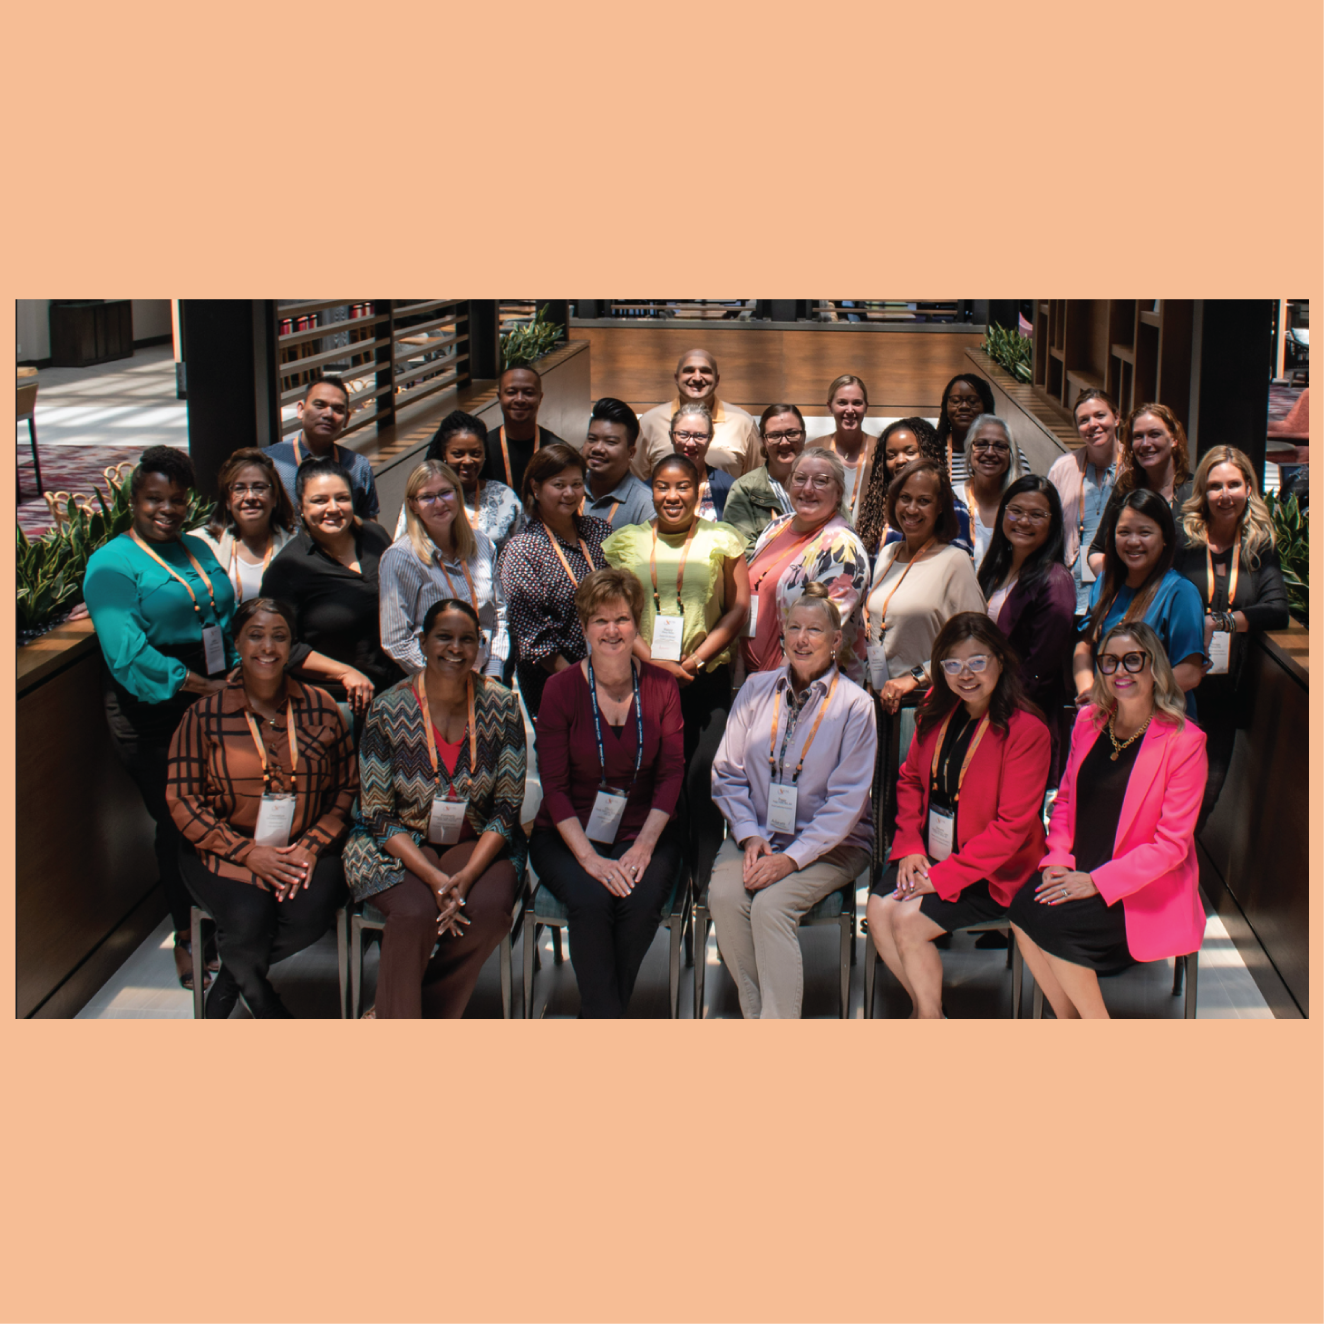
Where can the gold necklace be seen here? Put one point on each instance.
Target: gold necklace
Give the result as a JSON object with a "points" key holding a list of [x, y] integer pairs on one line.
{"points": [[1117, 748]]}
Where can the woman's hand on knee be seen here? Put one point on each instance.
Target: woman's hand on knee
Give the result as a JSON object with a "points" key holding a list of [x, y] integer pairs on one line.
{"points": [[610, 873], [636, 860], [912, 877]]}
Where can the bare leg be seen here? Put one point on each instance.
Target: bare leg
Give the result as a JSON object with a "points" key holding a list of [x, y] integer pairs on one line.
{"points": [[1038, 961], [882, 912], [914, 932], [1081, 985]]}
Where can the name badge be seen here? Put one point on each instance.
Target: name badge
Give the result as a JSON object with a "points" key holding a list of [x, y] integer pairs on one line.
{"points": [[781, 807], [667, 632], [942, 833], [752, 625], [446, 820], [878, 675], [1087, 575], [213, 649], [275, 818], [1220, 652], [603, 822]]}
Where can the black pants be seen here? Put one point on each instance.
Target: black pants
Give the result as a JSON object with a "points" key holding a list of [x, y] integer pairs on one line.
{"points": [[609, 935], [704, 703], [254, 930]]}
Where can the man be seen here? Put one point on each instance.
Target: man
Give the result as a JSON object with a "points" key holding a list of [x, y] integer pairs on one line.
{"points": [[735, 448], [324, 411], [511, 446], [614, 494]]}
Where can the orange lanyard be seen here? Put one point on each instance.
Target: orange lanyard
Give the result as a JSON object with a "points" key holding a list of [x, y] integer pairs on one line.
{"points": [[262, 749], [560, 555], [969, 753], [234, 564], [611, 514], [861, 471], [174, 574], [887, 601], [505, 453], [1232, 574], [680, 572], [420, 689], [297, 462], [804, 560], [773, 770], [450, 583]]}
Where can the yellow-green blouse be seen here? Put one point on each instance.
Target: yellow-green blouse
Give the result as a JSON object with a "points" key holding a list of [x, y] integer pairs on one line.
{"points": [[702, 593]]}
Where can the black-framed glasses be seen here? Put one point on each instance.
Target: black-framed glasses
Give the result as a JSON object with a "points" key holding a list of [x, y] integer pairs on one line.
{"points": [[997, 447], [791, 434], [1133, 662], [691, 436]]}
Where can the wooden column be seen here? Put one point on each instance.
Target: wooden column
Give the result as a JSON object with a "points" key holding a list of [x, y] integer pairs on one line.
{"points": [[1231, 359]]}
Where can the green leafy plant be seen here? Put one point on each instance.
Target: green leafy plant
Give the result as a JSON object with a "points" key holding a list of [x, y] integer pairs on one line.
{"points": [[1010, 350], [1291, 527], [526, 344]]}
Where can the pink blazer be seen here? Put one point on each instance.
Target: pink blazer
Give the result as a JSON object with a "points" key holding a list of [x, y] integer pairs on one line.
{"points": [[1154, 871]]}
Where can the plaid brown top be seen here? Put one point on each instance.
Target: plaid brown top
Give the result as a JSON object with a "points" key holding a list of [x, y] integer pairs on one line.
{"points": [[214, 781]]}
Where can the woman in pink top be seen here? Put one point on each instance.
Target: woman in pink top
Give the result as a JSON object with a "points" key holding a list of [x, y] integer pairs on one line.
{"points": [[1137, 768]]}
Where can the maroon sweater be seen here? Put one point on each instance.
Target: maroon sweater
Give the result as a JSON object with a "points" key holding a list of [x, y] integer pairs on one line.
{"points": [[568, 752]]}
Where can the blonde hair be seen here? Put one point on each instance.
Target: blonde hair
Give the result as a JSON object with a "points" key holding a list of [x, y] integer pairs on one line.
{"points": [[466, 545], [816, 595], [847, 379], [830, 458], [1169, 698], [1128, 472], [1257, 533]]}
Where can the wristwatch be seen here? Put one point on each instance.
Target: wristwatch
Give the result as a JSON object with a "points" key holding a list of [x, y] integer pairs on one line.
{"points": [[917, 673]]}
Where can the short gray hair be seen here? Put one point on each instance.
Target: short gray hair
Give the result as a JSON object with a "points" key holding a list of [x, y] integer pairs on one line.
{"points": [[693, 407], [1014, 465]]}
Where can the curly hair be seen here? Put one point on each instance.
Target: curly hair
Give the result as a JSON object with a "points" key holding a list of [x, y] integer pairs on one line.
{"points": [[166, 461], [1130, 476], [871, 522], [453, 425]]}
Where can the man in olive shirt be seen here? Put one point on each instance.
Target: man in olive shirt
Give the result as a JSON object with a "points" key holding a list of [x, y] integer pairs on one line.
{"points": [[735, 448], [612, 492], [510, 447]]}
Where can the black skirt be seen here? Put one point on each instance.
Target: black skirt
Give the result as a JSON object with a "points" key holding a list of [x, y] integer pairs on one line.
{"points": [[975, 905], [1086, 931]]}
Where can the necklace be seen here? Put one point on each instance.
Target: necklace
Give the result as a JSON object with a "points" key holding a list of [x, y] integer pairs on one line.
{"points": [[1119, 746]]}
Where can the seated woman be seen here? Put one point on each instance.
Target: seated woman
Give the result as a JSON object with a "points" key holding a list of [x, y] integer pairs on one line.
{"points": [[437, 846], [440, 556], [262, 776], [692, 430], [611, 757], [759, 497], [253, 519], [792, 780], [1137, 770], [970, 794]]}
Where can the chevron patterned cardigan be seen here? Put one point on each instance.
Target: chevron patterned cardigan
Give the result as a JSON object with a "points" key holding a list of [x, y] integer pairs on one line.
{"points": [[397, 786]]}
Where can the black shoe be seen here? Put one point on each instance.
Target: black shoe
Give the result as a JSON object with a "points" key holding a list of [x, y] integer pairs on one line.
{"points": [[224, 996], [943, 941], [993, 940], [268, 1008]]}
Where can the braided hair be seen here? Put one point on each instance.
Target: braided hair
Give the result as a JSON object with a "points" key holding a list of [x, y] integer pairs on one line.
{"points": [[872, 520]]}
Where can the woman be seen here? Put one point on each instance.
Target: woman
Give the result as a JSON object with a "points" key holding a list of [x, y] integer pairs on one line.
{"points": [[162, 606], [965, 398], [1032, 598], [792, 780], [759, 497], [902, 442], [542, 568], [1138, 583], [812, 544], [328, 574], [262, 778], [1137, 769], [848, 403], [1232, 562], [1084, 480], [611, 757], [437, 845], [252, 521], [440, 556], [692, 617], [1153, 457], [969, 832], [992, 466], [691, 435]]}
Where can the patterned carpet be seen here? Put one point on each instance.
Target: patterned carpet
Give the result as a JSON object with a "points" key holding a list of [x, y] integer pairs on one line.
{"points": [[1281, 400], [71, 469]]}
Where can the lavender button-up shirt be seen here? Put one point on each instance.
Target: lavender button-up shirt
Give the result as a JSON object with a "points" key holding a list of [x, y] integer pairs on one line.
{"points": [[832, 808]]}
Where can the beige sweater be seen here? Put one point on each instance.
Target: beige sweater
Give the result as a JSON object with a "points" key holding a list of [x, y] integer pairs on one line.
{"points": [[934, 590]]}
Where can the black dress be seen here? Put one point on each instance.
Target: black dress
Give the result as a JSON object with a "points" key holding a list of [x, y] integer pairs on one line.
{"points": [[1087, 931]]}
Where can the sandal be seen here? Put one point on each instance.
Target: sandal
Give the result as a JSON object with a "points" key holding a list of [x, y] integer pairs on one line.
{"points": [[369, 1015], [184, 965]]}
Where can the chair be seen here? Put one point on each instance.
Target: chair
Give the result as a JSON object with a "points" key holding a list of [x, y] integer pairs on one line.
{"points": [[365, 917], [198, 913], [543, 909], [1183, 965], [26, 408]]}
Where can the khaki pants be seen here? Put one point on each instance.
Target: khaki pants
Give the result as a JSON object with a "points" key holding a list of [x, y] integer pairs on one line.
{"points": [[758, 931]]}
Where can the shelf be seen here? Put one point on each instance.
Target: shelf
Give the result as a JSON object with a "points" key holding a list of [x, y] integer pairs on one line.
{"points": [[1124, 352], [1148, 318], [1043, 308], [1058, 354], [1087, 381]]}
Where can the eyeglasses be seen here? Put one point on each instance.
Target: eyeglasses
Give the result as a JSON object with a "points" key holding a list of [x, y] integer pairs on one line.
{"points": [[821, 482], [249, 489], [431, 498], [791, 434], [953, 666], [1133, 662], [1019, 515], [691, 436], [965, 400], [997, 447]]}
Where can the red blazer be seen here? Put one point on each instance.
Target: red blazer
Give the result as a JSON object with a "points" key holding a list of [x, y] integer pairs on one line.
{"points": [[999, 817], [1154, 871]]}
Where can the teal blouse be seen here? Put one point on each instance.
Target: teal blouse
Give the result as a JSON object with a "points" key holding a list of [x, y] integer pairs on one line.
{"points": [[137, 608]]}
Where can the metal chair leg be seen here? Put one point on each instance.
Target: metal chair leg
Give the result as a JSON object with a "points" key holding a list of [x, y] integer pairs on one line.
{"points": [[196, 956], [507, 977], [1178, 969], [530, 948], [1192, 963], [689, 939], [870, 974], [342, 956], [1038, 1013], [355, 966], [700, 957], [673, 965], [1017, 977], [846, 945], [36, 461], [557, 954]]}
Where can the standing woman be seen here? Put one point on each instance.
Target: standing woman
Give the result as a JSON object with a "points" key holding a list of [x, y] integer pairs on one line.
{"points": [[696, 602], [964, 399], [440, 556], [813, 544], [437, 845], [1231, 560], [993, 466], [253, 519], [611, 756], [760, 496], [162, 606], [542, 568], [691, 435], [262, 778], [1032, 598], [848, 403], [1137, 771], [969, 831]]}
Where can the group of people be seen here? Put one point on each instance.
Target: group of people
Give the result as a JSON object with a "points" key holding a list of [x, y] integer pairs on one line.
{"points": [[748, 660]]}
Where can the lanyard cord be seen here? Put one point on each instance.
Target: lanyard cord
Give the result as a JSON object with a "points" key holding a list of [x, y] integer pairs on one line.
{"points": [[597, 723], [1232, 574], [174, 574], [234, 563], [969, 753], [778, 772], [887, 601], [505, 453], [420, 690], [560, 555], [291, 731], [680, 573]]}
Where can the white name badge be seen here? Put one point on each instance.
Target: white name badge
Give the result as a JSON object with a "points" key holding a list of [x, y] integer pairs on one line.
{"points": [[942, 834], [752, 625], [878, 675], [1220, 652], [605, 819], [781, 807], [446, 820], [275, 818], [213, 648], [1087, 575], [667, 632]]}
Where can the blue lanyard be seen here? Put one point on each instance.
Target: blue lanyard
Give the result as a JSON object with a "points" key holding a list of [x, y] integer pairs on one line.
{"points": [[597, 722]]}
